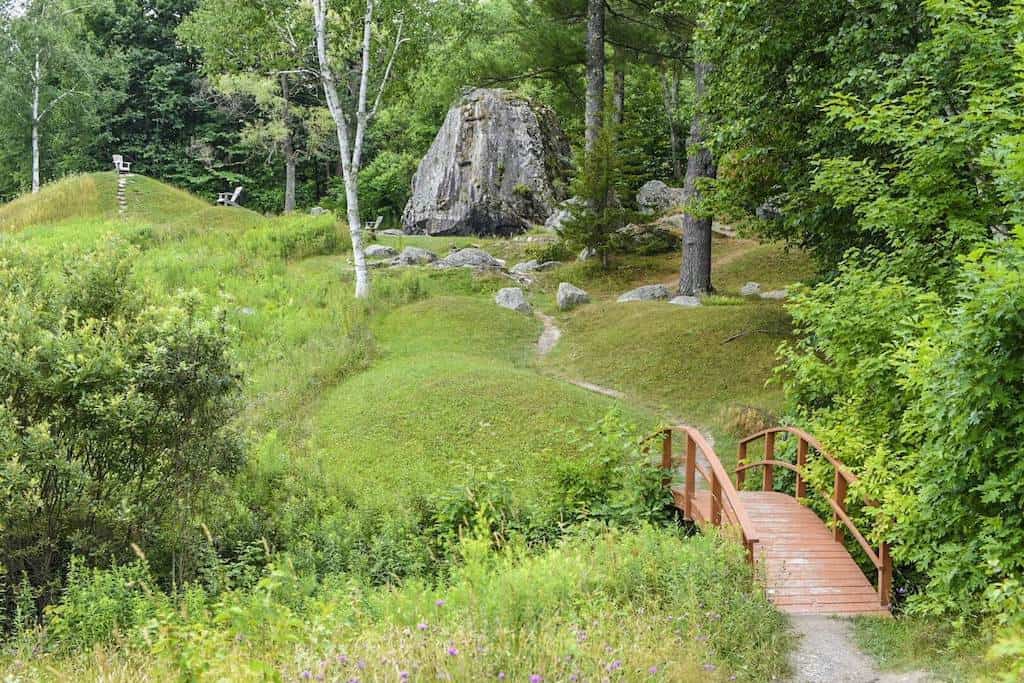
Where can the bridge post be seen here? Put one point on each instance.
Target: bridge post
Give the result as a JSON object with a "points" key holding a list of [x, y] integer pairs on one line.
{"points": [[716, 501], [801, 462], [666, 456], [839, 493], [884, 575], [769, 469], [691, 476], [741, 460]]}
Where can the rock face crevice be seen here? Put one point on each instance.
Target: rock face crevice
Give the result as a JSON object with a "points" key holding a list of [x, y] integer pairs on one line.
{"points": [[497, 166]]}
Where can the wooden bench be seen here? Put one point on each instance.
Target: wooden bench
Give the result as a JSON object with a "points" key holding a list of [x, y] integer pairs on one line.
{"points": [[229, 198], [123, 167]]}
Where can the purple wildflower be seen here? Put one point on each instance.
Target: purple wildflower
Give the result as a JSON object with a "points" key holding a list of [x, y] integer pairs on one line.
{"points": [[536, 678], [709, 667], [439, 603], [573, 678], [653, 670], [306, 675], [361, 664], [452, 650], [501, 675], [342, 659], [403, 675], [422, 626], [615, 666]]}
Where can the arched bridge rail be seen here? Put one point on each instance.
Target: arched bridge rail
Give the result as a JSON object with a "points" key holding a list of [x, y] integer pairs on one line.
{"points": [[807, 568]]}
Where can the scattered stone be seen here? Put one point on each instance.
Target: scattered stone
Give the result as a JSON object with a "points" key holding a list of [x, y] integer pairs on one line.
{"points": [[470, 258], [380, 251], [686, 301], [750, 289], [392, 232], [586, 254], [496, 167], [414, 256], [318, 211], [655, 196], [533, 266], [570, 296], [513, 298], [561, 214], [776, 294], [646, 293]]}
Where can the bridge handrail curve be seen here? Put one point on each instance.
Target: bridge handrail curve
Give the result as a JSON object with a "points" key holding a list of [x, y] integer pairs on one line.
{"points": [[842, 478], [718, 479]]}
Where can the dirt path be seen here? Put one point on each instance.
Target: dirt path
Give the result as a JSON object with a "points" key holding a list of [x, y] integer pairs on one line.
{"points": [[826, 653]]}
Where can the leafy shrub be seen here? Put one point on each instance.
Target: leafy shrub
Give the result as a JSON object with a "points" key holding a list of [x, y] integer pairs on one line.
{"points": [[114, 415], [551, 251]]}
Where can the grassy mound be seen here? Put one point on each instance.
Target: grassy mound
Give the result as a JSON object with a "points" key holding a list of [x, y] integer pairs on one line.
{"points": [[79, 197]]}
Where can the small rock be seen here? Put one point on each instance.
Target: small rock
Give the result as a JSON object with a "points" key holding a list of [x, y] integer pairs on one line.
{"points": [[776, 294], [414, 256], [470, 258], [318, 211], [587, 254], [750, 289], [561, 214], [533, 266], [513, 298], [686, 301], [380, 251], [570, 296], [646, 293]]}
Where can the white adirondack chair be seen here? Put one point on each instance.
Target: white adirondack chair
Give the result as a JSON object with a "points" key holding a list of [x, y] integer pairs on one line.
{"points": [[230, 198], [123, 167]]}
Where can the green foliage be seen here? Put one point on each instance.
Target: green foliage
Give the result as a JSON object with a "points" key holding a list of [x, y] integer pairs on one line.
{"points": [[115, 414], [598, 184], [299, 237], [631, 604]]}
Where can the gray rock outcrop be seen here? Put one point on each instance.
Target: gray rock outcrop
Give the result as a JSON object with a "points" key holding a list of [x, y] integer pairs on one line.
{"points": [[470, 258], [776, 295], [686, 301], [497, 166], [655, 196], [533, 266], [750, 289], [646, 293], [513, 299], [570, 296]]}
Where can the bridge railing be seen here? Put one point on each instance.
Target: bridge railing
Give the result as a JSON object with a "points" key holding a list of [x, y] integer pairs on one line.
{"points": [[841, 481], [724, 505]]}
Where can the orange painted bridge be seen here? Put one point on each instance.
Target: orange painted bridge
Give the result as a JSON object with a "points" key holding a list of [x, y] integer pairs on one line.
{"points": [[803, 562]]}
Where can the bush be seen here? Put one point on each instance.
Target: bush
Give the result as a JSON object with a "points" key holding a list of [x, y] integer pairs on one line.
{"points": [[114, 415]]}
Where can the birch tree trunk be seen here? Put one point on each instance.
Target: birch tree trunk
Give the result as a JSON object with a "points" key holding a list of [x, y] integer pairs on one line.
{"points": [[349, 157], [695, 271], [36, 79], [595, 71]]}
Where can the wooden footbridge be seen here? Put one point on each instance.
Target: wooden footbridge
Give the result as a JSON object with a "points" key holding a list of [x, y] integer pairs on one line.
{"points": [[805, 565]]}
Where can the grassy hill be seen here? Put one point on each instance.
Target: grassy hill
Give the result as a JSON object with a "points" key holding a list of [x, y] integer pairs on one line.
{"points": [[368, 420]]}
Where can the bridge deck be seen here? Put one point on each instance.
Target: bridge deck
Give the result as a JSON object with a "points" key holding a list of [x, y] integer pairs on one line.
{"points": [[804, 570]]}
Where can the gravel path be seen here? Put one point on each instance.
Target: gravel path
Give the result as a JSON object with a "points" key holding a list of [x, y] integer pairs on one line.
{"points": [[826, 653]]}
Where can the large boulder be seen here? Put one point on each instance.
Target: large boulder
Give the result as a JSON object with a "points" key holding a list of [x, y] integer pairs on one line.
{"points": [[655, 196], [497, 166], [379, 251], [414, 256]]}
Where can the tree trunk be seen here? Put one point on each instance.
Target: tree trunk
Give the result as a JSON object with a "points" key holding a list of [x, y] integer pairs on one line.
{"points": [[670, 98], [349, 164], [37, 77], [289, 149], [595, 71], [619, 91], [695, 272]]}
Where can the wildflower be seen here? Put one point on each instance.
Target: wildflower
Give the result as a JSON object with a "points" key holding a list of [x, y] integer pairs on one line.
{"points": [[536, 678], [452, 650], [615, 666], [439, 603], [422, 626], [403, 675], [306, 675], [709, 667], [361, 664], [573, 678], [701, 638], [501, 675], [342, 659], [581, 636], [653, 670]]}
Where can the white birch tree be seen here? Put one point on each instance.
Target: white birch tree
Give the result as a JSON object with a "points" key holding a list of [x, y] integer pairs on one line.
{"points": [[353, 116]]}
